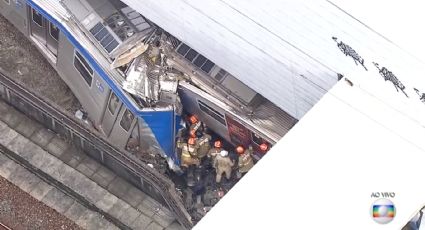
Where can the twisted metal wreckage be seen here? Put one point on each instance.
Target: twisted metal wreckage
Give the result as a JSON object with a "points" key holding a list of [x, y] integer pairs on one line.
{"points": [[149, 73]]}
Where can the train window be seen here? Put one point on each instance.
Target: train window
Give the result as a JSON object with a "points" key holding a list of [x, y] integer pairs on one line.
{"points": [[191, 55], [98, 27], [133, 143], [54, 31], [220, 75], [106, 40], [200, 60], [212, 112], [257, 139], [197, 59], [102, 34], [83, 68], [126, 120], [111, 46], [113, 103], [37, 17], [183, 49], [207, 66]]}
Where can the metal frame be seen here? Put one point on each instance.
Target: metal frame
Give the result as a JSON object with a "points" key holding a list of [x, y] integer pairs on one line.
{"points": [[50, 31], [92, 74], [131, 124], [109, 102], [32, 17]]}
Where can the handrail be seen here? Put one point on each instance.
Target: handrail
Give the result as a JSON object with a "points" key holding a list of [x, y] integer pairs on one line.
{"points": [[159, 182]]}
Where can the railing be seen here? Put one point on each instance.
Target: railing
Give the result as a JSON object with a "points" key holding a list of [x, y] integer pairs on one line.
{"points": [[142, 176]]}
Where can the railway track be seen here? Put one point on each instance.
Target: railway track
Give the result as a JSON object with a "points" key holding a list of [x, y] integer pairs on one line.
{"points": [[4, 226], [147, 179]]}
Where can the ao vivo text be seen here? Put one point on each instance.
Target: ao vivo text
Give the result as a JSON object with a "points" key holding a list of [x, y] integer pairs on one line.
{"points": [[383, 194]]}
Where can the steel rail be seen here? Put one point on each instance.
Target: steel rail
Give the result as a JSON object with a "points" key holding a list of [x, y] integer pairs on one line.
{"points": [[5, 226]]}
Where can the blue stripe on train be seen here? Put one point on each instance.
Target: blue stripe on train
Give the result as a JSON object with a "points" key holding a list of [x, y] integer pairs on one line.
{"points": [[178, 119], [161, 122]]}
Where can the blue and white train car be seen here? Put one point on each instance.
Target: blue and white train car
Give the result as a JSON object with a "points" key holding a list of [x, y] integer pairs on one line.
{"points": [[83, 63]]}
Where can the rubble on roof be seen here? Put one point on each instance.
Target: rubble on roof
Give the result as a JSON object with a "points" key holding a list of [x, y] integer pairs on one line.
{"points": [[128, 51], [149, 76]]}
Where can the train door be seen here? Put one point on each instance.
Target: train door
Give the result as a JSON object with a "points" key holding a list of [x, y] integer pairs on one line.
{"points": [[111, 113], [52, 38], [45, 32], [123, 127]]}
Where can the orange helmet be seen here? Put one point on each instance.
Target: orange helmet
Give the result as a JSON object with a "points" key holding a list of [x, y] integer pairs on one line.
{"points": [[264, 147], [192, 133], [240, 149], [217, 144], [193, 119], [191, 141]]}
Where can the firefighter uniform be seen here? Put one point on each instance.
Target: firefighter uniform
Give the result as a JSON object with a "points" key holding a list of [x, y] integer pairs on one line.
{"points": [[186, 157], [245, 162], [222, 164], [214, 152], [193, 150], [204, 146], [195, 127]]}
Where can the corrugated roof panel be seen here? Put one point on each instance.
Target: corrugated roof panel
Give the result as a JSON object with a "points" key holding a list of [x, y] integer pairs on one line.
{"points": [[269, 44]]}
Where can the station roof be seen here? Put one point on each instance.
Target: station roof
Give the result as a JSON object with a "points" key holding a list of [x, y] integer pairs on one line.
{"points": [[281, 49]]}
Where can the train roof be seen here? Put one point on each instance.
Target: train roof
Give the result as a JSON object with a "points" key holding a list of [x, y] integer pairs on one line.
{"points": [[281, 49]]}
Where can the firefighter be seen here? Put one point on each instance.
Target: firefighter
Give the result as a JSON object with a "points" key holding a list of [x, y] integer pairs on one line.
{"points": [[204, 145], [212, 153], [223, 164], [193, 151], [245, 161], [187, 151], [264, 147], [192, 148], [195, 125]]}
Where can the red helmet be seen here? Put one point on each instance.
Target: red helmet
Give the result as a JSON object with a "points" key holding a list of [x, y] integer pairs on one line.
{"points": [[264, 147], [191, 141], [217, 144], [193, 119], [240, 149]]}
